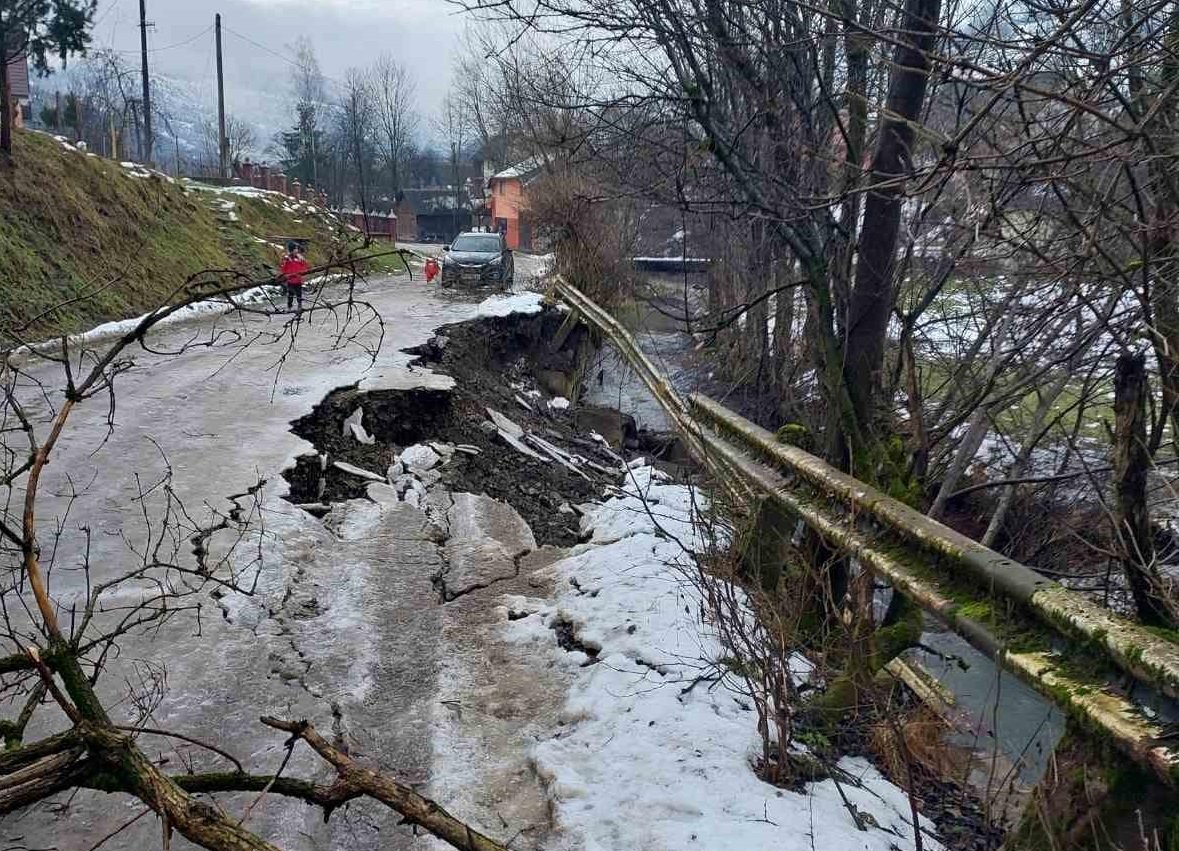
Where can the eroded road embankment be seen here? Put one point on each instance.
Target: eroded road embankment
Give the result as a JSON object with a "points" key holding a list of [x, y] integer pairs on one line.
{"points": [[497, 431], [472, 488]]}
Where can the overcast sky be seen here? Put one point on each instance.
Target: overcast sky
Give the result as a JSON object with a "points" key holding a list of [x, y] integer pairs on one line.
{"points": [[420, 33]]}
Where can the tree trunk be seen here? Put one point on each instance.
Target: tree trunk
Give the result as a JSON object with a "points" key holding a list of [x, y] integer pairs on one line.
{"points": [[1131, 464], [5, 101], [1162, 270], [783, 327], [394, 178], [979, 421], [1023, 459], [872, 298], [856, 45]]}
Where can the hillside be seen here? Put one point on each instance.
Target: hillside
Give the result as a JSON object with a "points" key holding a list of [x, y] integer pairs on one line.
{"points": [[101, 240]]}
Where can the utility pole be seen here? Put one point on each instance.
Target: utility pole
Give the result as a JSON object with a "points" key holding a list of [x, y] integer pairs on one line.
{"points": [[222, 142], [57, 111], [147, 137]]}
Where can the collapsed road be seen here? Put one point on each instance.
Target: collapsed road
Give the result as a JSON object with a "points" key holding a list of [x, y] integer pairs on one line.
{"points": [[345, 627], [452, 568]]}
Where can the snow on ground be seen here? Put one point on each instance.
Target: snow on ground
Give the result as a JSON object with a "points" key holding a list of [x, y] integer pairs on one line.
{"points": [[505, 305], [188, 313], [641, 760], [110, 330]]}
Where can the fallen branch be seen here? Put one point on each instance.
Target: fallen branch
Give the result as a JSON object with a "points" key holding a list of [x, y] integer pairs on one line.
{"points": [[355, 780]]}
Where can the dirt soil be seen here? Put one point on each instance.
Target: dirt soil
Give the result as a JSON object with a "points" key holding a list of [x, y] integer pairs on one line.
{"points": [[493, 361]]}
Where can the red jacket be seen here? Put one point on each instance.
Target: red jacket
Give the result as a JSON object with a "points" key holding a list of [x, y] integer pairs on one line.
{"points": [[293, 268]]}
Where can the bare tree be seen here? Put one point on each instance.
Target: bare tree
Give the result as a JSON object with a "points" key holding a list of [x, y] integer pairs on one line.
{"points": [[356, 130], [394, 93], [240, 142], [309, 89], [453, 124]]}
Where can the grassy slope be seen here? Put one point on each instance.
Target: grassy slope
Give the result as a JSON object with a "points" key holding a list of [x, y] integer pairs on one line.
{"points": [[72, 225]]}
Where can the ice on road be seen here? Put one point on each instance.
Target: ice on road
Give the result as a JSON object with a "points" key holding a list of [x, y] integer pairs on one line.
{"points": [[343, 629]]}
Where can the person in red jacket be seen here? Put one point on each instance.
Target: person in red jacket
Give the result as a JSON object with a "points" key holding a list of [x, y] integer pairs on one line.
{"points": [[292, 269]]}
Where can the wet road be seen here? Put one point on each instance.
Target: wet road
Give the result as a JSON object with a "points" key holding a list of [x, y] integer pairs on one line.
{"points": [[344, 628]]}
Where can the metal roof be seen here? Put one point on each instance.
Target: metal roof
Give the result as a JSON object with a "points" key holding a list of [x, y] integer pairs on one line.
{"points": [[18, 76]]}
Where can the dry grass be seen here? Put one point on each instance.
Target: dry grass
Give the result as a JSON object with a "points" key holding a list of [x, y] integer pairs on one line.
{"points": [[592, 237], [917, 737]]}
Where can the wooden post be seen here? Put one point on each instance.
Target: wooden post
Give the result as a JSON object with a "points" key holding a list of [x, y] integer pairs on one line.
{"points": [[222, 142], [146, 81], [1131, 464]]}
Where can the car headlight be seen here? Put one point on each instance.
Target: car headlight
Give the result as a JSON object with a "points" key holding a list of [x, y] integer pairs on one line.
{"points": [[447, 260], [495, 261]]}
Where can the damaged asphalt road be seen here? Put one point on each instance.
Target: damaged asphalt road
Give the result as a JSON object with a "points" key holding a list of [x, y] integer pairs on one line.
{"points": [[345, 627]]}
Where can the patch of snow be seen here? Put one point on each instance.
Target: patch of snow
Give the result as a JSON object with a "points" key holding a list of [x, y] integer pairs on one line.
{"points": [[646, 756], [419, 457], [118, 328], [521, 169], [559, 403], [509, 304], [248, 191]]}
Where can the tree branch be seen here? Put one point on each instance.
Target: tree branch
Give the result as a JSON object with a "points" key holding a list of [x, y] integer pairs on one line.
{"points": [[357, 780]]}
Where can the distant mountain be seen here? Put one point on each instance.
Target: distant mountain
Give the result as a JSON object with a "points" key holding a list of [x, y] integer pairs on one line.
{"points": [[181, 107]]}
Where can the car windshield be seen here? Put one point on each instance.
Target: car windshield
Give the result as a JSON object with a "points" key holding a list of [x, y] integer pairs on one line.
{"points": [[476, 242]]}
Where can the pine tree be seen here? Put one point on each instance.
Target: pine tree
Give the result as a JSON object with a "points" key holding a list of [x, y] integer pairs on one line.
{"points": [[37, 30]]}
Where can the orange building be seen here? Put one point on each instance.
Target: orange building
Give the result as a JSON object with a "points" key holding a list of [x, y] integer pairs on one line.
{"points": [[508, 206]]}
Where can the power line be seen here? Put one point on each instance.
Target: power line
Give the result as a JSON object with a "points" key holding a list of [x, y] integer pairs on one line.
{"points": [[338, 84], [201, 34], [260, 46]]}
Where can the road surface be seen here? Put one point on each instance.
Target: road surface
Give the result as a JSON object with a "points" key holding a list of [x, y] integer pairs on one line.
{"points": [[345, 627]]}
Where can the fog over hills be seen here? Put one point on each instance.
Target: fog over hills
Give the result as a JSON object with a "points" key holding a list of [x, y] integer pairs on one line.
{"points": [[257, 39]]}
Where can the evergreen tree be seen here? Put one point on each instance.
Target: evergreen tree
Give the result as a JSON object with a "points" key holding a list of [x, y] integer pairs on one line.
{"points": [[38, 29]]}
